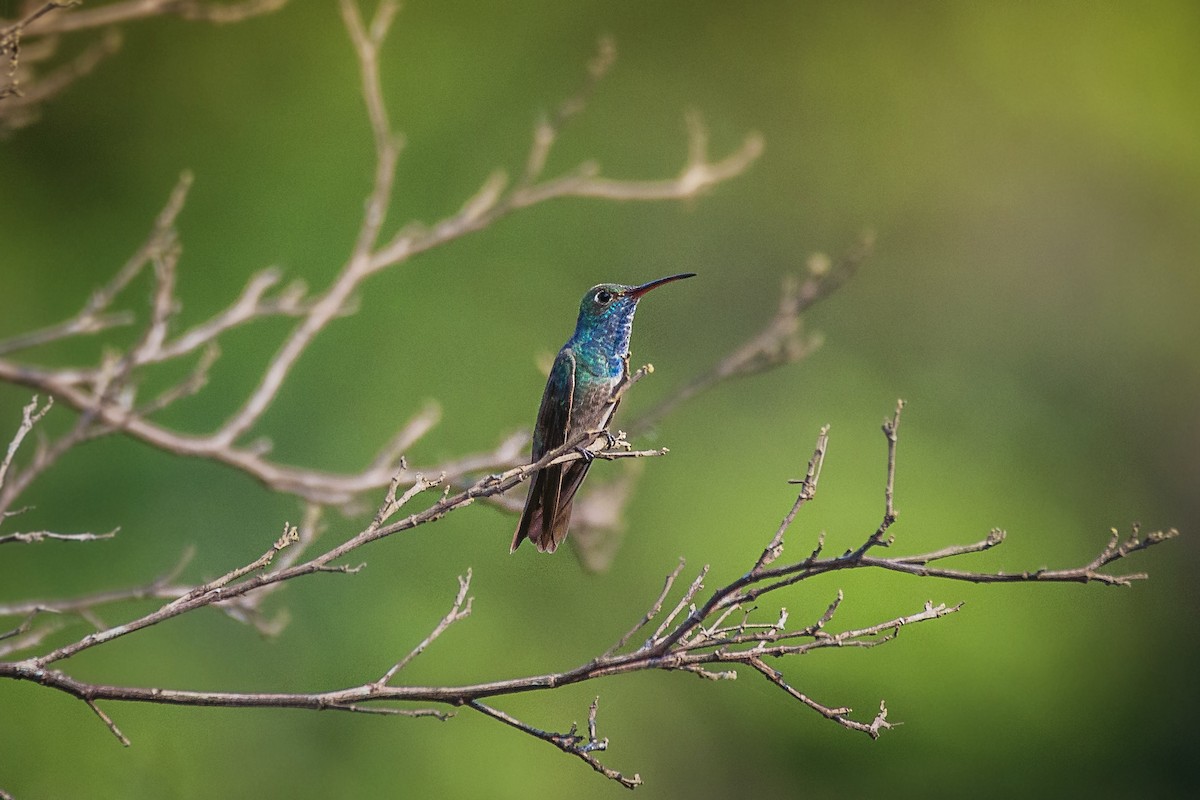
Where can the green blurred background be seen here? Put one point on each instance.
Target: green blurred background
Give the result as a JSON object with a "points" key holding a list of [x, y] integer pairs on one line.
{"points": [[1032, 172]]}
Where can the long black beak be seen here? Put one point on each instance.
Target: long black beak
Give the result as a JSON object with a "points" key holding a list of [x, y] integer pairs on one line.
{"points": [[638, 291]]}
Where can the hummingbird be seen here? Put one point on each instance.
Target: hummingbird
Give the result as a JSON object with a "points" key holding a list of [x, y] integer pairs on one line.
{"points": [[579, 397]]}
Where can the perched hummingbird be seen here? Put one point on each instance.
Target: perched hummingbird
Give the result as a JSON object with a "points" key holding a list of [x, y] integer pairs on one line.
{"points": [[579, 398]]}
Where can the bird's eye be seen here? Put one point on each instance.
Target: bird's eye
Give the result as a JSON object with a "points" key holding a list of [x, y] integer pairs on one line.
{"points": [[604, 297]]}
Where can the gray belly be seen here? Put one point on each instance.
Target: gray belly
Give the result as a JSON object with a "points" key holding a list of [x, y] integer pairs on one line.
{"points": [[592, 407]]}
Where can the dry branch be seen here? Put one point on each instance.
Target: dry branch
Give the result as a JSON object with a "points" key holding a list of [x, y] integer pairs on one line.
{"points": [[698, 633], [29, 45], [112, 410], [783, 340]]}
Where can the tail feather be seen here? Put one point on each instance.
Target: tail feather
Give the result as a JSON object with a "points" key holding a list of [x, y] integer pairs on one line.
{"points": [[547, 515], [545, 538]]}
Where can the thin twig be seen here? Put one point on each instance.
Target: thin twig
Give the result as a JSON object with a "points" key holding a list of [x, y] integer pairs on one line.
{"points": [[878, 539], [781, 342], [30, 415], [570, 742], [655, 608], [808, 490], [131, 10], [995, 537], [112, 726], [161, 588], [29, 537], [457, 612]]}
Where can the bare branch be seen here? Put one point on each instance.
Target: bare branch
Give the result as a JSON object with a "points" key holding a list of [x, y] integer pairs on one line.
{"points": [[570, 742], [30, 415], [11, 486], [26, 636], [10, 43], [132, 10], [32, 17], [193, 383], [655, 639], [314, 314], [251, 305], [808, 490], [782, 341], [107, 720], [94, 316], [716, 630], [877, 539], [457, 611], [652, 613], [29, 537], [1087, 573], [19, 630], [253, 576], [22, 98], [161, 588], [28, 42], [995, 536]]}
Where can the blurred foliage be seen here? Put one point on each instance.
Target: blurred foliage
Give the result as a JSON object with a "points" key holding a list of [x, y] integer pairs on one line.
{"points": [[1032, 172]]}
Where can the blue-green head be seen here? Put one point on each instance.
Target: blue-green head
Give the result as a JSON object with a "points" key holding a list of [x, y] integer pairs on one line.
{"points": [[606, 317]]}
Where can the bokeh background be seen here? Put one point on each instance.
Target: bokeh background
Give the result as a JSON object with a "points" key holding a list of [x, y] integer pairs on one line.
{"points": [[1032, 173]]}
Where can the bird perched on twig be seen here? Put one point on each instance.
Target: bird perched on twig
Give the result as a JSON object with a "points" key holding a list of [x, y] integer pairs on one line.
{"points": [[581, 396]]}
